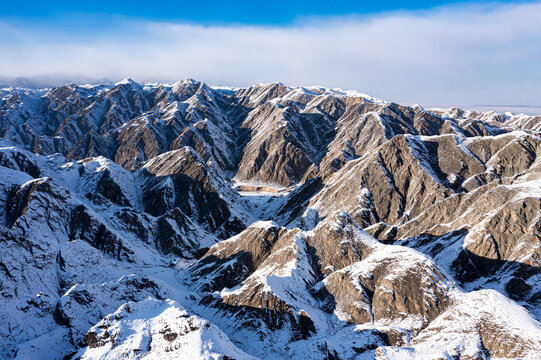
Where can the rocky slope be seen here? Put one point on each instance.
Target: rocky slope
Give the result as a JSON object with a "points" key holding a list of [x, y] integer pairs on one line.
{"points": [[188, 221]]}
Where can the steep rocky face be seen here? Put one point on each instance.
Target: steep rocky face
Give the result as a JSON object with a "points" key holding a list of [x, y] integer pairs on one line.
{"points": [[490, 332], [387, 282], [127, 122], [230, 262], [180, 179], [280, 277], [293, 137], [273, 222]]}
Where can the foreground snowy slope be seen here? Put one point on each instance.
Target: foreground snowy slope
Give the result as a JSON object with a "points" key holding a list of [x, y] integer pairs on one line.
{"points": [[186, 221]]}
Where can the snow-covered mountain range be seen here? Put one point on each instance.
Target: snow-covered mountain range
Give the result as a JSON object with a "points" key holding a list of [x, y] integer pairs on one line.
{"points": [[188, 221]]}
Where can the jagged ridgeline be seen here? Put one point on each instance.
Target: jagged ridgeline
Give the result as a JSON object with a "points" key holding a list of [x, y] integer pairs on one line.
{"points": [[188, 221]]}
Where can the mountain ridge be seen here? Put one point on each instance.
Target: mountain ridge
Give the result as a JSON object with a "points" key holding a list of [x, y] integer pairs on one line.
{"points": [[327, 223]]}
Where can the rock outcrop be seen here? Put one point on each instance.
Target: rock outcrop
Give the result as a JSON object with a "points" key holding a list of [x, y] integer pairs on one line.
{"points": [[187, 221]]}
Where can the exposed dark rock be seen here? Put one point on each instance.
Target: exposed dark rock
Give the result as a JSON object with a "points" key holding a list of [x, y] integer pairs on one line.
{"points": [[350, 225]]}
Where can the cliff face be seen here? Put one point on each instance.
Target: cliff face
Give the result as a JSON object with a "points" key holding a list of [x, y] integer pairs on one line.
{"points": [[182, 220]]}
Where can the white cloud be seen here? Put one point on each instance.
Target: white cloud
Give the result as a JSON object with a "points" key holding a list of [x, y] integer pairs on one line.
{"points": [[466, 54]]}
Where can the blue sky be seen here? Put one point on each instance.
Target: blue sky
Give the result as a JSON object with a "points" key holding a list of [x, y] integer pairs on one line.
{"points": [[416, 52], [244, 11]]}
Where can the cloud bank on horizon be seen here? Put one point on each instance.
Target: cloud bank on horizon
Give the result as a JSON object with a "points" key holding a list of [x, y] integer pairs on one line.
{"points": [[468, 53]]}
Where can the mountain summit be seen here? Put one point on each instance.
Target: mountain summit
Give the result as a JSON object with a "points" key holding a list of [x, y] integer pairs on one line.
{"points": [[185, 221]]}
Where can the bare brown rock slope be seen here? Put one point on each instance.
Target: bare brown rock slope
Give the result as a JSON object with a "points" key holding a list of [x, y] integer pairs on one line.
{"points": [[272, 222]]}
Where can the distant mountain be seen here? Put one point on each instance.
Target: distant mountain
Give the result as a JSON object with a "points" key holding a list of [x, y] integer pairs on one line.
{"points": [[48, 81], [188, 221]]}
